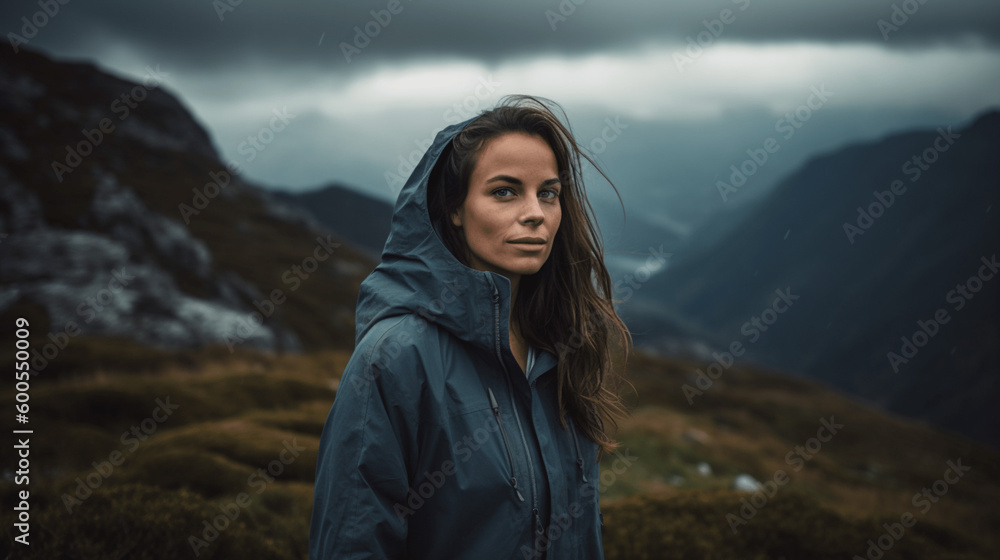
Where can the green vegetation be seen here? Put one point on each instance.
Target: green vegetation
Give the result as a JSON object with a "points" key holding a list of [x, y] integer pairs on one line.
{"points": [[218, 459], [693, 525], [114, 477]]}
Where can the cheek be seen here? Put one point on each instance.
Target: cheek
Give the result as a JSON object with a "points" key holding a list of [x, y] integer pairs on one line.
{"points": [[487, 222]]}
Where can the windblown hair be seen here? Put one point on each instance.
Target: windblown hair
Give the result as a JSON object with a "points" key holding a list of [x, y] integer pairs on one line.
{"points": [[566, 307]]}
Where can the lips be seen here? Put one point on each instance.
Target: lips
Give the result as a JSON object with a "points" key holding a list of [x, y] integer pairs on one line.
{"points": [[528, 241]]}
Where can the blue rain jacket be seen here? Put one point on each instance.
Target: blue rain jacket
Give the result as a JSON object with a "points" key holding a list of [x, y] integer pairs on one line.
{"points": [[438, 445]]}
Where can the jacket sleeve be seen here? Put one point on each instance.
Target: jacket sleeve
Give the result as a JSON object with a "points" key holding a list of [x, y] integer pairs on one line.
{"points": [[362, 479]]}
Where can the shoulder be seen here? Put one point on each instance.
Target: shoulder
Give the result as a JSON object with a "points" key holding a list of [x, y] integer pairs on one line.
{"points": [[399, 341]]}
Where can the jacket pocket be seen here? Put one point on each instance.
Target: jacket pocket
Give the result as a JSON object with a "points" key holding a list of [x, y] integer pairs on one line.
{"points": [[506, 442]]}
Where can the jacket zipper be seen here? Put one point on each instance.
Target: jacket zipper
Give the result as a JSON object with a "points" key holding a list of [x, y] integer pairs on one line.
{"points": [[506, 442], [539, 529], [579, 456]]}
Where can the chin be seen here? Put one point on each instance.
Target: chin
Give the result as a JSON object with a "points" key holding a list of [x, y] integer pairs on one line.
{"points": [[527, 271], [525, 268]]}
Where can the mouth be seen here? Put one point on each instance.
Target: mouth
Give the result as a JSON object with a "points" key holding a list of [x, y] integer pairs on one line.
{"points": [[528, 241]]}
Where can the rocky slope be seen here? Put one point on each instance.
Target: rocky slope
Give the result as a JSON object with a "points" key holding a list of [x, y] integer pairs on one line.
{"points": [[119, 220]]}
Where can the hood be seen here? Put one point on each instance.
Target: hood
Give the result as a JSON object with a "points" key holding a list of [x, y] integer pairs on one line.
{"points": [[418, 274]]}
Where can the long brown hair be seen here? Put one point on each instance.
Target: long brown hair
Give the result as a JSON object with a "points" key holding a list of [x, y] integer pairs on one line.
{"points": [[566, 307]]}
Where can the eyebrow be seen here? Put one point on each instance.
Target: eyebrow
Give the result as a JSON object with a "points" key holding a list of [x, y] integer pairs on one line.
{"points": [[516, 181]]}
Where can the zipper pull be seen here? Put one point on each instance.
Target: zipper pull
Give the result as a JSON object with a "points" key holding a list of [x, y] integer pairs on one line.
{"points": [[579, 456], [493, 402], [516, 490], [538, 522]]}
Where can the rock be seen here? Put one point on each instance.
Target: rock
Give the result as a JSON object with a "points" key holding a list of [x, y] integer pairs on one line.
{"points": [[696, 435], [118, 210], [746, 483], [20, 209], [97, 284]]}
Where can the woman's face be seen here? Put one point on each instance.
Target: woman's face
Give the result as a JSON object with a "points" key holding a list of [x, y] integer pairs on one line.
{"points": [[511, 212]]}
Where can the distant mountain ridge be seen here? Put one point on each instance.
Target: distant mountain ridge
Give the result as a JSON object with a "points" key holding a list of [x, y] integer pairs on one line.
{"points": [[351, 215], [876, 240]]}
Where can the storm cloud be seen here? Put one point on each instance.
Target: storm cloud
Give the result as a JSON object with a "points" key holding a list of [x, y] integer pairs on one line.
{"points": [[370, 82]]}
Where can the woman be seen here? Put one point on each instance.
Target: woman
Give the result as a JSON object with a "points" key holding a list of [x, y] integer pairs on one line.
{"points": [[469, 420]]}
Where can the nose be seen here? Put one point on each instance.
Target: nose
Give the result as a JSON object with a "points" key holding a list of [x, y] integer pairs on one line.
{"points": [[532, 211]]}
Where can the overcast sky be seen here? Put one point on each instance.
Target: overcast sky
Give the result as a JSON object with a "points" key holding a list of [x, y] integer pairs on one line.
{"points": [[367, 86]]}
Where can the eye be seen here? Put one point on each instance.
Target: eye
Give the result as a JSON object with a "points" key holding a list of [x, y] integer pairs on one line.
{"points": [[502, 189], [553, 192]]}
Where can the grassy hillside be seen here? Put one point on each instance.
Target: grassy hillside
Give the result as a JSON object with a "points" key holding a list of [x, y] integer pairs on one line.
{"points": [[231, 416], [835, 495]]}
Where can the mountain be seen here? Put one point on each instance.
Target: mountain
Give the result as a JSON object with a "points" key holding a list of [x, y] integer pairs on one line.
{"points": [[872, 268], [351, 215], [121, 223], [156, 439]]}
